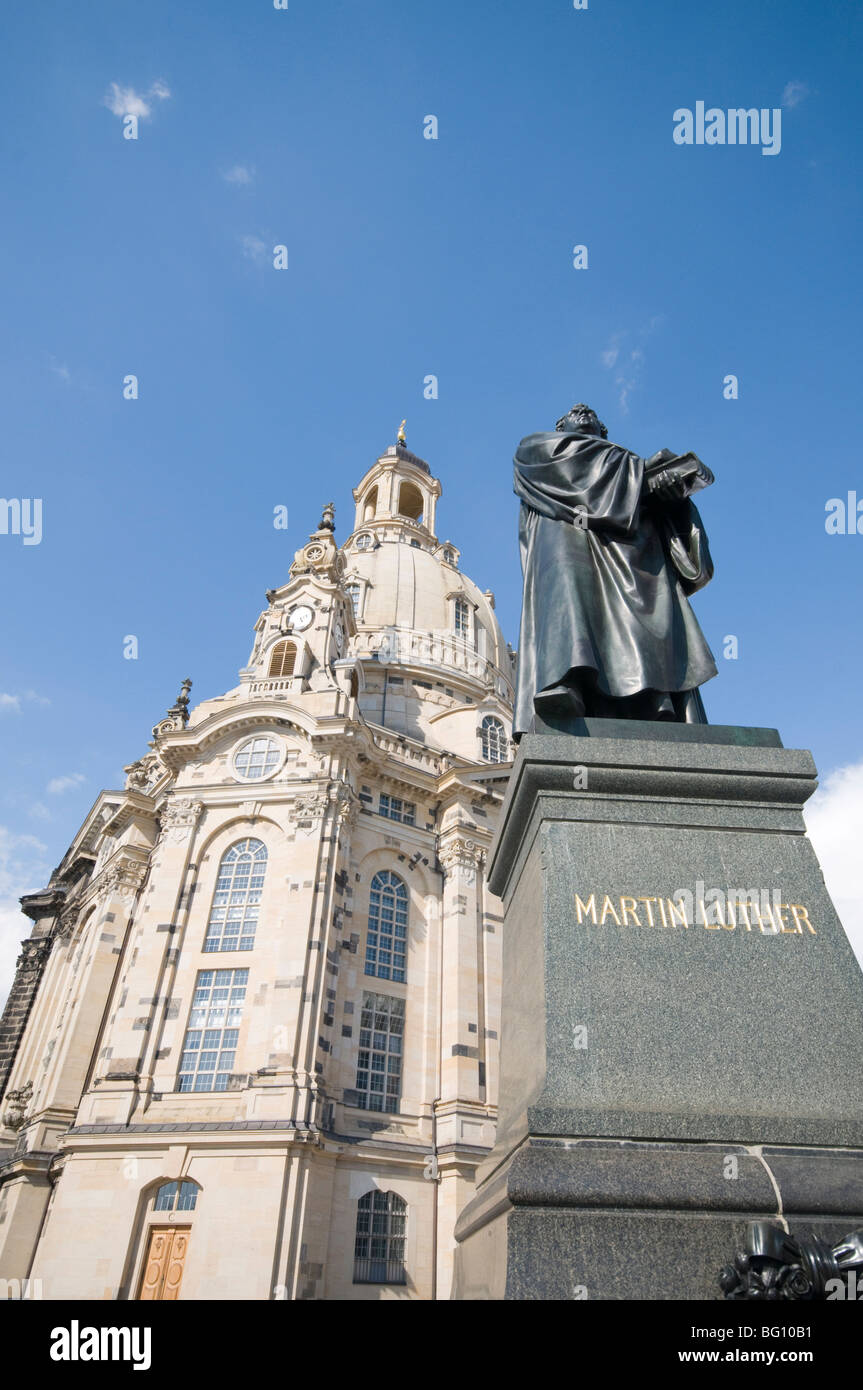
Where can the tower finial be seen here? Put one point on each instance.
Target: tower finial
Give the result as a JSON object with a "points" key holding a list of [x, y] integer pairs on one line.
{"points": [[328, 518], [402, 437], [181, 705]]}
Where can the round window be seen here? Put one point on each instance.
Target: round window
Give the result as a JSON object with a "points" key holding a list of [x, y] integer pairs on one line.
{"points": [[257, 758]]}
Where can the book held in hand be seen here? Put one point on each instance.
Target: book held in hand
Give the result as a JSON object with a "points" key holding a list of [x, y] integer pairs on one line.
{"points": [[688, 469]]}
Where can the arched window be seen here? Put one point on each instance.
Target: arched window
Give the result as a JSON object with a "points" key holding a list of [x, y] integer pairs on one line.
{"points": [[283, 659], [353, 593], [234, 913], [410, 502], [462, 617], [379, 1248], [494, 741], [370, 505], [386, 941], [364, 542], [176, 1196]]}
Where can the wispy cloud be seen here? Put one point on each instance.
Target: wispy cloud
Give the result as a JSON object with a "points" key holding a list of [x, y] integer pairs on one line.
{"points": [[60, 370], [23, 869], [125, 101], [625, 356], [39, 811], [11, 704], [834, 818], [254, 249], [58, 785], [240, 175], [793, 93]]}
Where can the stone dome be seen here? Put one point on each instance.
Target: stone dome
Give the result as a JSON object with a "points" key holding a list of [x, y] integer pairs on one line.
{"points": [[434, 658], [407, 586]]}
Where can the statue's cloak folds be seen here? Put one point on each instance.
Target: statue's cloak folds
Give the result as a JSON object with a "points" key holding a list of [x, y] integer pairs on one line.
{"points": [[608, 597]]}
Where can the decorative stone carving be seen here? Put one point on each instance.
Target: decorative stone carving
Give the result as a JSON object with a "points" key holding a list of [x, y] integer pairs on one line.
{"points": [[310, 806], [338, 798], [67, 921], [460, 855], [124, 879], [34, 952], [345, 803], [179, 818], [776, 1265], [142, 776], [17, 1103]]}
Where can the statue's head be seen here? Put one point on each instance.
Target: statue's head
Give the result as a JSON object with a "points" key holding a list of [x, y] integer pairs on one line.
{"points": [[583, 419]]}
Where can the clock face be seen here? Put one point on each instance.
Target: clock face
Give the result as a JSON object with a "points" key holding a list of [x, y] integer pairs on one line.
{"points": [[301, 618]]}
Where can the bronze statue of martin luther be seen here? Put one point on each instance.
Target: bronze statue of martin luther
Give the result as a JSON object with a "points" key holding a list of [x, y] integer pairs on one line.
{"points": [[611, 548]]}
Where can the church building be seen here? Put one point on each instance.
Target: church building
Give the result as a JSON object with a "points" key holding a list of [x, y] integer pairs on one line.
{"points": [[251, 1048]]}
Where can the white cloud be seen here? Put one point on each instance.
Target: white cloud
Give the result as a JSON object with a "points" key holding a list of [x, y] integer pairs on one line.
{"points": [[11, 704], [61, 371], [23, 869], [627, 361], [793, 93], [254, 249], [39, 811], [125, 101], [240, 175], [58, 785], [834, 818]]}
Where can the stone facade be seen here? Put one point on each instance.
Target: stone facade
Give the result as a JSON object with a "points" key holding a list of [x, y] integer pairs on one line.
{"points": [[312, 1059]]}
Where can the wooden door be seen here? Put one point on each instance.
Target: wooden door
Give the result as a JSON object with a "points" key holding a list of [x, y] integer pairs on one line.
{"points": [[163, 1267]]}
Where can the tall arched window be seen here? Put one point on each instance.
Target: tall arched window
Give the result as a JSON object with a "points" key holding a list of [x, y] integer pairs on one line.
{"points": [[493, 736], [234, 913], [379, 1248], [386, 941], [282, 659], [462, 617]]}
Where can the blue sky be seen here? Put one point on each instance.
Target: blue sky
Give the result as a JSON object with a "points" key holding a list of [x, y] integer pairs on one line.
{"points": [[407, 256]]}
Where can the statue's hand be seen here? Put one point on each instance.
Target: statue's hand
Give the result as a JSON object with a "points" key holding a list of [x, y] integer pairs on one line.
{"points": [[667, 488]]}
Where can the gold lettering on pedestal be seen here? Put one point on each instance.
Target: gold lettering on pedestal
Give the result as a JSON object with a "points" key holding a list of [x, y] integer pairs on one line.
{"points": [[608, 908], [627, 909], [711, 926], [587, 908], [714, 911], [797, 912], [678, 908], [648, 909]]}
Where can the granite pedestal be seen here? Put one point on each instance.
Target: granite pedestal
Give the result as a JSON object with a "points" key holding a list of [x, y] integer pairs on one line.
{"points": [[681, 1021]]}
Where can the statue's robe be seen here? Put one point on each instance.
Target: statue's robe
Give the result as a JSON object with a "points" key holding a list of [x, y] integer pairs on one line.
{"points": [[605, 603]]}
